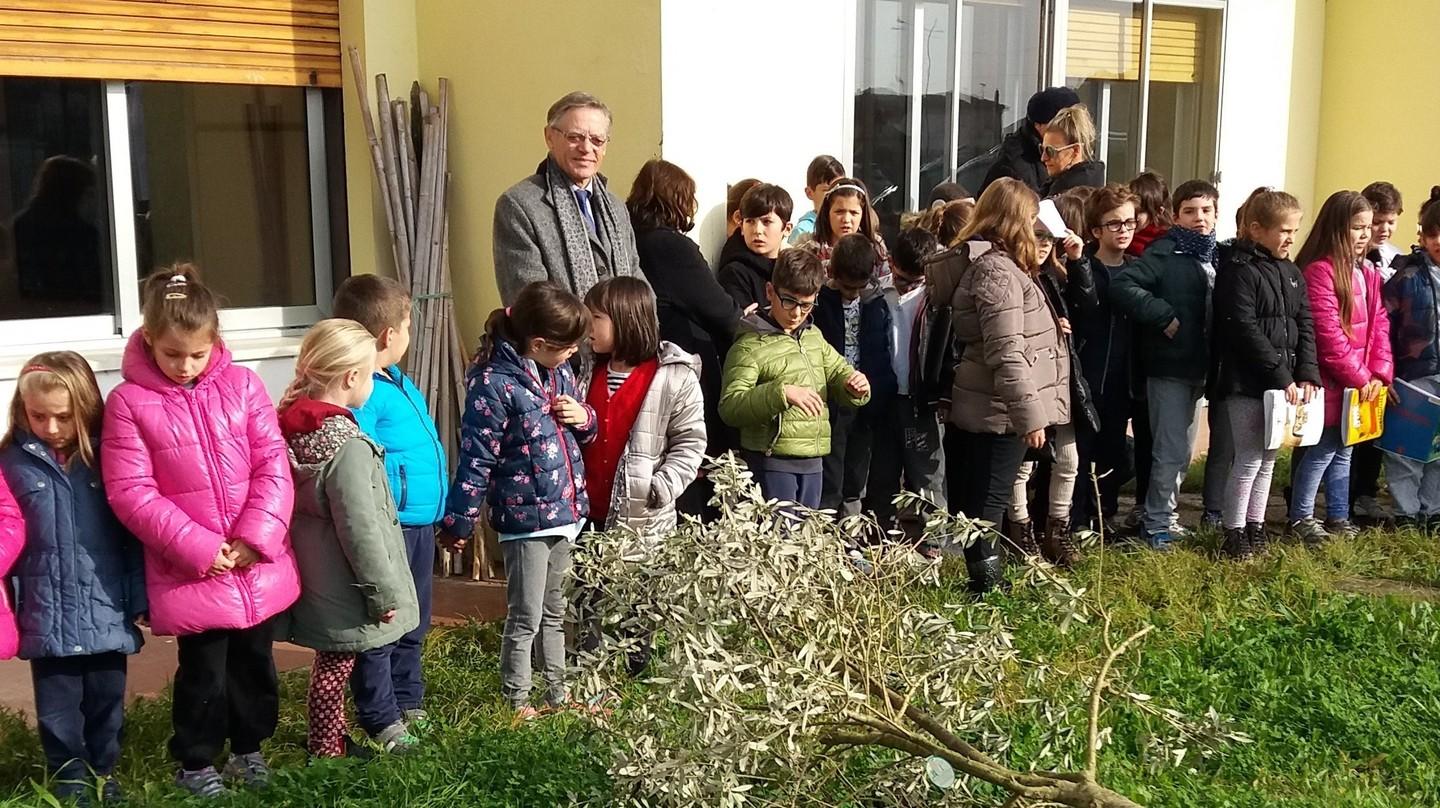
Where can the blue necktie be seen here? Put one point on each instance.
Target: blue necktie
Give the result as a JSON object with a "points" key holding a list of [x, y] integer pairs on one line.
{"points": [[582, 198]]}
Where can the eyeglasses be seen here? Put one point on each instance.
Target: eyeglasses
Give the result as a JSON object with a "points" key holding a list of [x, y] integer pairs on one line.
{"points": [[1120, 225], [789, 303], [1052, 152], [578, 138]]}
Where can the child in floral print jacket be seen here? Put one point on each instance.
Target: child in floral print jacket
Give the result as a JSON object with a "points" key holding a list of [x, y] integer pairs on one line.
{"points": [[520, 454]]}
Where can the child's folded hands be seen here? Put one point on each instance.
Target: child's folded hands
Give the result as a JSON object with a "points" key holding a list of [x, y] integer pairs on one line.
{"points": [[806, 400]]}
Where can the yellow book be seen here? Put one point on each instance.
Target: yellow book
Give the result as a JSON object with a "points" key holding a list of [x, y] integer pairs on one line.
{"points": [[1362, 420]]}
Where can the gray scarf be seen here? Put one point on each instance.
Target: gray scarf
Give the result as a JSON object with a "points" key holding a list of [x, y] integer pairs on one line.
{"points": [[579, 258]]}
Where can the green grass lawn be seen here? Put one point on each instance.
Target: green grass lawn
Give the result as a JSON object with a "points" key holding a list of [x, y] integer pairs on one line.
{"points": [[1340, 693]]}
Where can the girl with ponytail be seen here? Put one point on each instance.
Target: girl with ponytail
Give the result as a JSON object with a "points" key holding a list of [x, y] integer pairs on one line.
{"points": [[357, 593], [195, 466], [520, 438]]}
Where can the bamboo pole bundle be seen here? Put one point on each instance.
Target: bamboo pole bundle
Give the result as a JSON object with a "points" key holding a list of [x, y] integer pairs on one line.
{"points": [[409, 151]]}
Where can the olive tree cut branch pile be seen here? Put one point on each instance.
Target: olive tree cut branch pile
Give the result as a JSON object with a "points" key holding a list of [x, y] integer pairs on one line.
{"points": [[777, 660]]}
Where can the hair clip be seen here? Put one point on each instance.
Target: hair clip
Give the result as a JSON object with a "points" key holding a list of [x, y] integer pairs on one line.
{"points": [[35, 368], [177, 280], [507, 311], [175, 295]]}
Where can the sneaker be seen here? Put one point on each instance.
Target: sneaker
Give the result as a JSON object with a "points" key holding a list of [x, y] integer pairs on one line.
{"points": [[857, 560], [1160, 541], [1235, 547], [1210, 520], [418, 721], [249, 770], [1416, 523], [1369, 510], [1343, 528], [396, 739], [524, 715], [1310, 531], [110, 792], [73, 792], [1257, 538], [1177, 530], [205, 783]]}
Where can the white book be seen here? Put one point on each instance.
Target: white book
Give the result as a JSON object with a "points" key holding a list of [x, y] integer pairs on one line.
{"points": [[1289, 424]]}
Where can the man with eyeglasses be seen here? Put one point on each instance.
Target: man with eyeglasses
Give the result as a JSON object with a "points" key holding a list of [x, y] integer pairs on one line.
{"points": [[562, 223]]}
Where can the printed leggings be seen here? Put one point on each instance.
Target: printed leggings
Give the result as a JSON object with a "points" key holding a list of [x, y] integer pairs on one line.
{"points": [[329, 676]]}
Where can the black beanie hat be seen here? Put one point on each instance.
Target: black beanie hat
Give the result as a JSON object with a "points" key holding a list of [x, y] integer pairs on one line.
{"points": [[1044, 104]]}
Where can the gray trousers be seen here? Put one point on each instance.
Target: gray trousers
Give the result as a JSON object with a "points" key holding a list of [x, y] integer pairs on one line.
{"points": [[905, 448], [1415, 485], [535, 571], [1172, 420], [1219, 456]]}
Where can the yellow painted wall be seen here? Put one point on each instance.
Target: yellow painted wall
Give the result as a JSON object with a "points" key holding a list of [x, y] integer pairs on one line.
{"points": [[384, 31], [508, 62], [1378, 116]]}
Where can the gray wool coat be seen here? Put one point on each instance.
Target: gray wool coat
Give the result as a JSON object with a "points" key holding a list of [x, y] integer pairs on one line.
{"points": [[529, 245]]}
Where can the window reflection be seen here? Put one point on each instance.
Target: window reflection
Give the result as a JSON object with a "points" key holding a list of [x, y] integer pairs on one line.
{"points": [[54, 220]]}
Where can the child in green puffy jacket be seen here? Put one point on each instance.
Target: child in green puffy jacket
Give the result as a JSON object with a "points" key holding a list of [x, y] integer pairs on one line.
{"points": [[777, 377]]}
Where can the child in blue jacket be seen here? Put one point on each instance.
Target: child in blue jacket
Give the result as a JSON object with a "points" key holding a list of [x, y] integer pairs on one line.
{"points": [[79, 580], [520, 442], [387, 682]]}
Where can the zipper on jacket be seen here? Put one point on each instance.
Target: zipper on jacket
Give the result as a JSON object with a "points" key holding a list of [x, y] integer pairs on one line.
{"points": [[404, 489], [780, 419], [560, 433], [439, 460], [207, 441]]}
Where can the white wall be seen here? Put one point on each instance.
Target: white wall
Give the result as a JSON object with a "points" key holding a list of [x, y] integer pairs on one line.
{"points": [[754, 88], [1256, 122]]}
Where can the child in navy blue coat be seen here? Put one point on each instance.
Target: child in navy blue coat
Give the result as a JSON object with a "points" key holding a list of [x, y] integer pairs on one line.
{"points": [[852, 314], [520, 442], [80, 580]]}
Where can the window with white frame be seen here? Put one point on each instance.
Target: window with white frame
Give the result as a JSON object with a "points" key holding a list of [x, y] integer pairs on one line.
{"points": [[940, 83], [103, 181]]}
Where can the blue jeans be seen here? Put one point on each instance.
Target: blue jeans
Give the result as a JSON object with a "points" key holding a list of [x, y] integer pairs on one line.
{"points": [[1327, 461], [387, 680]]}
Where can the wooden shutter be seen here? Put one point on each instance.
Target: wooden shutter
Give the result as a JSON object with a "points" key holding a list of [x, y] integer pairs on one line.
{"points": [[275, 42], [1106, 45]]}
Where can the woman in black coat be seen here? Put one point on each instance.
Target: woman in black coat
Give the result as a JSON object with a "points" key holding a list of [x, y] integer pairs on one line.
{"points": [[695, 312], [1068, 151]]}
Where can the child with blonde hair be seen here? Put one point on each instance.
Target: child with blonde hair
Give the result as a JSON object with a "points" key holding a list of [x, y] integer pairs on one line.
{"points": [[82, 585], [356, 593], [196, 468]]}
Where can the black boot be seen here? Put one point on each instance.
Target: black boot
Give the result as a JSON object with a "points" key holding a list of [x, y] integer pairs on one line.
{"points": [[1022, 538], [985, 574], [1235, 547], [1257, 538]]}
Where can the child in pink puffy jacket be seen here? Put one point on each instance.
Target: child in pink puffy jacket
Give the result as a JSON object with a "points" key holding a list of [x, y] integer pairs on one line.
{"points": [[196, 467], [12, 540], [1352, 343]]}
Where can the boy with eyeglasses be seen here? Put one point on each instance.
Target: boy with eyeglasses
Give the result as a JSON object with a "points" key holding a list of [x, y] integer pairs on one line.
{"points": [[1103, 335], [777, 377]]}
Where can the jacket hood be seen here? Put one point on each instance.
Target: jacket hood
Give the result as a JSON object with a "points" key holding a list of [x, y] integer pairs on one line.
{"points": [[943, 284], [315, 431], [671, 354], [307, 415], [732, 247], [760, 323], [139, 366]]}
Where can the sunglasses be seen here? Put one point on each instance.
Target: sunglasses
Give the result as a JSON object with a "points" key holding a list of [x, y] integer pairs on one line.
{"points": [[1051, 152]]}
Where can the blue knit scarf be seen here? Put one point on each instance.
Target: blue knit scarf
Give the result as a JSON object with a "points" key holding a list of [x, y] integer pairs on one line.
{"points": [[1199, 245]]}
